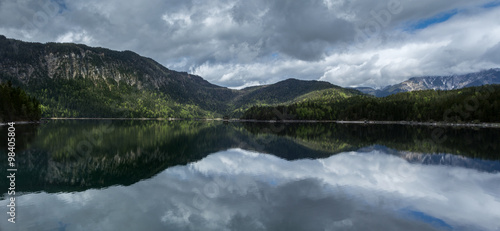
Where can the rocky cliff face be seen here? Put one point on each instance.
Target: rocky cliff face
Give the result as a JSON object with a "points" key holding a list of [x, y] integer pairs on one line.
{"points": [[64, 75], [30, 61], [36, 67]]}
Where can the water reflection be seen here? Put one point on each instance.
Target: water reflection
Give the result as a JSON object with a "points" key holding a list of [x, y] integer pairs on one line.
{"points": [[491, 166], [188, 175], [242, 190], [65, 156]]}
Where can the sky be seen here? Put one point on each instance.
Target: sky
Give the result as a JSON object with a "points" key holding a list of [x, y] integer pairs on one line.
{"points": [[241, 190], [239, 43]]}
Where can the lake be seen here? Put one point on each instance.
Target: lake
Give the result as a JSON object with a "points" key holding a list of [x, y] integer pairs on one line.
{"points": [[196, 175]]}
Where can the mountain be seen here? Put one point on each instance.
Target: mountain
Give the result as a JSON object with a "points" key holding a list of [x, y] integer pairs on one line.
{"points": [[282, 91], [367, 90], [452, 82], [287, 92], [74, 80]]}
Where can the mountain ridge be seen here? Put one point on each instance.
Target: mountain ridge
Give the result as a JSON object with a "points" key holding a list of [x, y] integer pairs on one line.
{"points": [[75, 80], [451, 82]]}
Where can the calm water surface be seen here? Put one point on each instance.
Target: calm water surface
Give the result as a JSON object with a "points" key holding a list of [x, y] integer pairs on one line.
{"points": [[187, 175]]}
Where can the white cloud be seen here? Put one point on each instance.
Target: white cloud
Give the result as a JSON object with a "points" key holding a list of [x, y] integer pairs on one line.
{"points": [[239, 43], [75, 37], [233, 189]]}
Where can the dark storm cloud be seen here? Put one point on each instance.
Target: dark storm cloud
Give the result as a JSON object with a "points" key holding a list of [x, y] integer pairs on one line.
{"points": [[236, 43], [300, 29]]}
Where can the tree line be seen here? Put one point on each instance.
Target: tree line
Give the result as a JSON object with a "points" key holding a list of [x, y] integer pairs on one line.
{"points": [[16, 105], [474, 104]]}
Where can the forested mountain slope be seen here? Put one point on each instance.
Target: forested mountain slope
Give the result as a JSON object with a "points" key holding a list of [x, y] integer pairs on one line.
{"points": [[473, 104], [74, 80], [77, 80], [16, 105]]}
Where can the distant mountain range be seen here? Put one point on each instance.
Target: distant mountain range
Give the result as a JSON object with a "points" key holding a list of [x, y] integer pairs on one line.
{"points": [[74, 80], [452, 82]]}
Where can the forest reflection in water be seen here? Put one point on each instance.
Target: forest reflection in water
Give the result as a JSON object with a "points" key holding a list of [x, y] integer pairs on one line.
{"points": [[74, 155]]}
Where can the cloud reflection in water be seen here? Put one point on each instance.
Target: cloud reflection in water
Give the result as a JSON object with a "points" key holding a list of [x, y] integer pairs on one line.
{"points": [[241, 190]]}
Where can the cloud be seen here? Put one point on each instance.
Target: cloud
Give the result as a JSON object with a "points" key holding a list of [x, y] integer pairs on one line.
{"points": [[239, 43], [241, 190]]}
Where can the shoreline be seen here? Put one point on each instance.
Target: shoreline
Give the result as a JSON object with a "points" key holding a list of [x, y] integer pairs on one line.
{"points": [[22, 122], [432, 124], [368, 122], [371, 122], [100, 118]]}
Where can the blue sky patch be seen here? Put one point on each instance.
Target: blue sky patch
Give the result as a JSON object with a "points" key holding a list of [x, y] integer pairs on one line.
{"points": [[423, 217], [491, 4], [442, 17], [61, 4]]}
